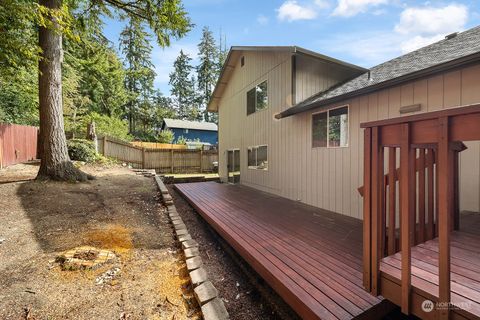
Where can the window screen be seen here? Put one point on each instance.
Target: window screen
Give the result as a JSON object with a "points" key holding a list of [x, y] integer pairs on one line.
{"points": [[338, 127], [262, 96]]}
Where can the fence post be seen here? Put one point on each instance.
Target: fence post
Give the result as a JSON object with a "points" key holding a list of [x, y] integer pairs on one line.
{"points": [[143, 158], [201, 159], [172, 161], [105, 146]]}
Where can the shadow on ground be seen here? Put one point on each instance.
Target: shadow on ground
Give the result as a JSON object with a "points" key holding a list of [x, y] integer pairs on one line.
{"points": [[114, 212]]}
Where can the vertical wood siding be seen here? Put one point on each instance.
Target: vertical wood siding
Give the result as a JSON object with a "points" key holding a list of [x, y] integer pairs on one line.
{"points": [[329, 178], [17, 144]]}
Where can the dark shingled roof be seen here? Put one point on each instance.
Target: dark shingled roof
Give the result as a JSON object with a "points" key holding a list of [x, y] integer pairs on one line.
{"points": [[406, 67]]}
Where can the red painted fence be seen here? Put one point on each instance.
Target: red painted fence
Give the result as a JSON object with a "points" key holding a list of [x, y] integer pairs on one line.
{"points": [[17, 144]]}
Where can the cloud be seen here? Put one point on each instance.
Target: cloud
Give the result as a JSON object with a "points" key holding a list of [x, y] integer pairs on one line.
{"points": [[413, 31], [350, 8], [426, 25], [429, 20], [262, 20], [367, 49], [322, 4], [290, 11]]}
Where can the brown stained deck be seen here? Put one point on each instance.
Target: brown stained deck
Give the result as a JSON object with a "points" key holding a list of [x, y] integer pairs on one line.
{"points": [[465, 275], [311, 257]]}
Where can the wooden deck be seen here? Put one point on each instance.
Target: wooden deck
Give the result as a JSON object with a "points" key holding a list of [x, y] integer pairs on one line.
{"points": [[465, 275], [310, 257]]}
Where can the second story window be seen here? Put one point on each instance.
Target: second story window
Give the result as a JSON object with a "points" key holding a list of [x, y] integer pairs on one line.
{"points": [[257, 98]]}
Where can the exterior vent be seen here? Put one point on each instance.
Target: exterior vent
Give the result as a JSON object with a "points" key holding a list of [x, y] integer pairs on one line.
{"points": [[411, 108], [451, 35], [370, 76]]}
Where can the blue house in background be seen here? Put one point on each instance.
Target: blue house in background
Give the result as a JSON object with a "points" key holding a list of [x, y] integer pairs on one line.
{"points": [[192, 130]]}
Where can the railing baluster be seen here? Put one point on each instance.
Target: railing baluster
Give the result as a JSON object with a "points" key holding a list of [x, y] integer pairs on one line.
{"points": [[445, 185], [421, 196], [431, 194], [456, 193], [407, 198], [392, 167]]}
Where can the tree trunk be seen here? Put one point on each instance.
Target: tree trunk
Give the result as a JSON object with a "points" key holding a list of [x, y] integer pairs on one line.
{"points": [[55, 162]]}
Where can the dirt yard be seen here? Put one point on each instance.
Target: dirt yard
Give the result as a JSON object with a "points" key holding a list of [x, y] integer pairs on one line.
{"points": [[46, 225]]}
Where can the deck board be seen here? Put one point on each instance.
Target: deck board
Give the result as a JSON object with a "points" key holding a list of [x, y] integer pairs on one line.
{"points": [[465, 263], [311, 257]]}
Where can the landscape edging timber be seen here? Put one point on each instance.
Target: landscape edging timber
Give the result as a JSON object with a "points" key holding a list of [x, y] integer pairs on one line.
{"points": [[211, 305]]}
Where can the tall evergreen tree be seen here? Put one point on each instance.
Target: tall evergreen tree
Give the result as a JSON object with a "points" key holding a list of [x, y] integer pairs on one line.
{"points": [[51, 21], [207, 69], [134, 43], [183, 87]]}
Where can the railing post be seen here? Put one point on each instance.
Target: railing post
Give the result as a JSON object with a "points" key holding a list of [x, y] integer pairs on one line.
{"points": [[407, 198], [445, 188], [367, 213], [376, 203], [172, 165]]}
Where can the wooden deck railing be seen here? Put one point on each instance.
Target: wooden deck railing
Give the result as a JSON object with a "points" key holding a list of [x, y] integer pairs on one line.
{"points": [[419, 152]]}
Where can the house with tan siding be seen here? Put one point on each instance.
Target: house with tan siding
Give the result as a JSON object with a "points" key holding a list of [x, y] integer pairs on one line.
{"points": [[289, 118]]}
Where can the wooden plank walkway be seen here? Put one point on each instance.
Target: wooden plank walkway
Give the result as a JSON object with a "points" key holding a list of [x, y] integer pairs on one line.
{"points": [[312, 258], [465, 275]]}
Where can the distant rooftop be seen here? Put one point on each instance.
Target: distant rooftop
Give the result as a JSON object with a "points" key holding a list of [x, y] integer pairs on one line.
{"points": [[461, 48], [193, 125]]}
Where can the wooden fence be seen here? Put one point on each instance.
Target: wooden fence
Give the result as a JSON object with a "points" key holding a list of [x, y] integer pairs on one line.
{"points": [[156, 145], [162, 160], [17, 144]]}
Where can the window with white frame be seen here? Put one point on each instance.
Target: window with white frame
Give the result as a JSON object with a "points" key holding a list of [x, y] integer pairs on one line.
{"points": [[257, 98], [330, 128], [258, 157]]}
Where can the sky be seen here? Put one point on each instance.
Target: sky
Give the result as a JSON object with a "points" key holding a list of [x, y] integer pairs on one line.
{"points": [[362, 32]]}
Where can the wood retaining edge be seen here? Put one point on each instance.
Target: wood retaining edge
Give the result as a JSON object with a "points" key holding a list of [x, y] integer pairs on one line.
{"points": [[212, 307]]}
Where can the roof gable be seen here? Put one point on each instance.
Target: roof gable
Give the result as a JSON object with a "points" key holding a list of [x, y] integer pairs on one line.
{"points": [[236, 52]]}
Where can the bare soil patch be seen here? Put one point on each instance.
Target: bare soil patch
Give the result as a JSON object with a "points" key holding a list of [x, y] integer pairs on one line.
{"points": [[19, 172], [245, 294], [119, 212]]}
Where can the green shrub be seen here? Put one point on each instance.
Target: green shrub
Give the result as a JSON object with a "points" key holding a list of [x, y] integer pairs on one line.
{"points": [[166, 136], [104, 125], [109, 126], [81, 150]]}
